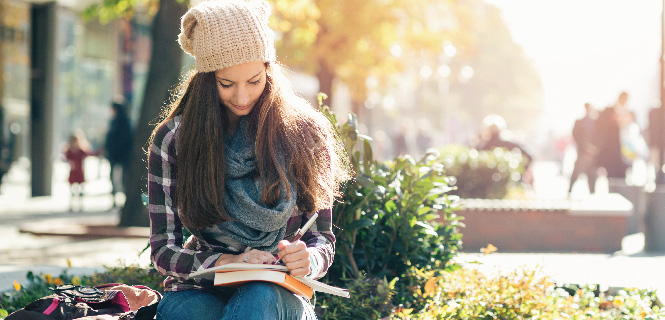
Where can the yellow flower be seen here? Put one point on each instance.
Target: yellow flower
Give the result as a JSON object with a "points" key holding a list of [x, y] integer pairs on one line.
{"points": [[48, 278], [17, 286], [430, 286], [69, 263], [57, 281], [489, 249], [618, 302], [76, 281]]}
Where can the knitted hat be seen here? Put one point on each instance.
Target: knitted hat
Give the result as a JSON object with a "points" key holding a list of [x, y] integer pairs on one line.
{"points": [[224, 33]]}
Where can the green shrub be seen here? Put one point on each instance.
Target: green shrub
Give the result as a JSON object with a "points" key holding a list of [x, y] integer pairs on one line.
{"points": [[370, 299], [130, 275], [522, 294], [387, 215], [483, 174]]}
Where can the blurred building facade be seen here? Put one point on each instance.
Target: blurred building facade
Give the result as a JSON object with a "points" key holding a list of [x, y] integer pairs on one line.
{"points": [[59, 74]]}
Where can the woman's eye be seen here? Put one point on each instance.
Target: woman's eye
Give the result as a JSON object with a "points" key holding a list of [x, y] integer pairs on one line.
{"points": [[225, 85], [255, 82]]}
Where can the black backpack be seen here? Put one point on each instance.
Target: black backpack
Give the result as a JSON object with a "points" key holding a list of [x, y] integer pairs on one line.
{"points": [[109, 301]]}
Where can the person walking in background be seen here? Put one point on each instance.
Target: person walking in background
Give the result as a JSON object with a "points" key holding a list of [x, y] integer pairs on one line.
{"points": [[494, 134], [242, 162], [606, 138], [585, 162], [656, 134], [633, 145], [423, 136], [400, 146], [118, 147], [76, 150]]}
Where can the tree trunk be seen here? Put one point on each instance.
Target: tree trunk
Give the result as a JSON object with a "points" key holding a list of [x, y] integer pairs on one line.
{"points": [[3, 9], [165, 65], [326, 77]]}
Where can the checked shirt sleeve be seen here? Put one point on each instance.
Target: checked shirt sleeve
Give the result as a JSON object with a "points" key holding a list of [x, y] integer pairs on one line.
{"points": [[320, 242], [168, 254]]}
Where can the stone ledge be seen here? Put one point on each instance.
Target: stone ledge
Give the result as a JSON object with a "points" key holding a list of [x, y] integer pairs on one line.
{"points": [[595, 224], [87, 231], [612, 204]]}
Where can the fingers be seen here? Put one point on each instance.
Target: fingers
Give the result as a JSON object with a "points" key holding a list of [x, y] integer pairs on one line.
{"points": [[282, 244], [296, 258], [299, 268], [290, 248], [256, 256]]}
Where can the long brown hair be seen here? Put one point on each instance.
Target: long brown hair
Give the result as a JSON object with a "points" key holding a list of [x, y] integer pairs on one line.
{"points": [[282, 123]]}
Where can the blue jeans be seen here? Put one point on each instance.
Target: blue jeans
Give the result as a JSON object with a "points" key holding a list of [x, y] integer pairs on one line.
{"points": [[254, 300]]}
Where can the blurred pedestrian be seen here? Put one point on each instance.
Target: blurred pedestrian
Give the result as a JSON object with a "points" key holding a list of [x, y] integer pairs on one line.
{"points": [[423, 136], [633, 145], [76, 150], [494, 134], [606, 138], [118, 147], [585, 162], [656, 134], [400, 146]]}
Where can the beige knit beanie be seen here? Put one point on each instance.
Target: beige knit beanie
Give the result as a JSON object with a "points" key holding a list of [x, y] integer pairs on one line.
{"points": [[224, 33]]}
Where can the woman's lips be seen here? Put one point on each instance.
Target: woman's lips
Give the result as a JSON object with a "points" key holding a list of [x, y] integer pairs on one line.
{"points": [[241, 107]]}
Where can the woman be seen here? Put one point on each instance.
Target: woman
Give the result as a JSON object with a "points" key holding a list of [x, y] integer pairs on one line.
{"points": [[241, 162]]}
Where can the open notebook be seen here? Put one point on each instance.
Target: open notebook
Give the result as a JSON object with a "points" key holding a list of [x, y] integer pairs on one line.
{"points": [[235, 274]]}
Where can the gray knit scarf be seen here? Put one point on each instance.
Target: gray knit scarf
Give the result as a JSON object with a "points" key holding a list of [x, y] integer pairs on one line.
{"points": [[258, 226]]}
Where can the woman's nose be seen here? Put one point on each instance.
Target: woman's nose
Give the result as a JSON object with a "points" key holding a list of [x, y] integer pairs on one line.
{"points": [[242, 96]]}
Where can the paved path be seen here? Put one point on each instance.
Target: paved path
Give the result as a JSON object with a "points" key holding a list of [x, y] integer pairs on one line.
{"points": [[619, 270], [23, 252], [20, 252]]}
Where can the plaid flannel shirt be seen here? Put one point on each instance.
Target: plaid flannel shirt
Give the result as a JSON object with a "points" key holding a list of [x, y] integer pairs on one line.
{"points": [[176, 258]]}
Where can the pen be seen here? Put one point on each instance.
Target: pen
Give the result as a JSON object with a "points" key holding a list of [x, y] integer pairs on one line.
{"points": [[301, 231]]}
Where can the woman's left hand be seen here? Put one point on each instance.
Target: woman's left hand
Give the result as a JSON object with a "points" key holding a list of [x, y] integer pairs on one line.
{"points": [[295, 256]]}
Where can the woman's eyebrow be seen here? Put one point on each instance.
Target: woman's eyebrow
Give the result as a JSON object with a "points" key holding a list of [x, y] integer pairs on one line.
{"points": [[256, 75]]}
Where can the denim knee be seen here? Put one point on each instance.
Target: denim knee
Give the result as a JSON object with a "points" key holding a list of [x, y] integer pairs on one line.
{"points": [[264, 290], [263, 300], [190, 304]]}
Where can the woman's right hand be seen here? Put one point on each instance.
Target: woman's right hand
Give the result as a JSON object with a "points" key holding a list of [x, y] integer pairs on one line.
{"points": [[251, 256]]}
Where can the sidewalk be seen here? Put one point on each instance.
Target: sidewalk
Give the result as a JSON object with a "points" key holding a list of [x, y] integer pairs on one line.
{"points": [[86, 250], [21, 252]]}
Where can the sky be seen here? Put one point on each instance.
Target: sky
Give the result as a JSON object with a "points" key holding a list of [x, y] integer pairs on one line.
{"points": [[588, 51]]}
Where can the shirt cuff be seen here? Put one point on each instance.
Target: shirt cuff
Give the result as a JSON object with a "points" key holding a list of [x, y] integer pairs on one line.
{"points": [[314, 264]]}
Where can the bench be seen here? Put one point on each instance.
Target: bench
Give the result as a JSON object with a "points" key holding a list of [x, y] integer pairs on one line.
{"points": [[595, 224]]}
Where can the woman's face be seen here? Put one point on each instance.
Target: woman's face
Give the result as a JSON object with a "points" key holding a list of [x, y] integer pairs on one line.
{"points": [[240, 87]]}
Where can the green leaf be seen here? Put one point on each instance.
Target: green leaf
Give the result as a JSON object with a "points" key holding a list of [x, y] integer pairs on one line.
{"points": [[380, 191], [365, 137], [368, 156], [365, 182], [320, 97], [439, 191], [423, 210], [428, 228], [359, 224], [353, 135], [352, 122], [390, 206], [3, 313]]}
